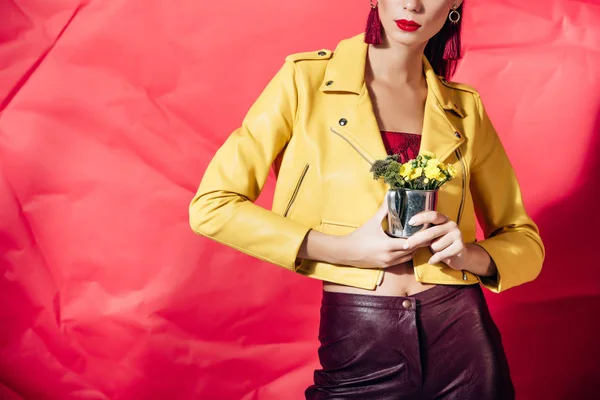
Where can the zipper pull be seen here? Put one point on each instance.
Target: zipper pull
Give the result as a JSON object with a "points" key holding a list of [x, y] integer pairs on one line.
{"points": [[464, 276]]}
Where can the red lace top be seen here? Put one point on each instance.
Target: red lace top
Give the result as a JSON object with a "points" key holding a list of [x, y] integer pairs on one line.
{"points": [[406, 145]]}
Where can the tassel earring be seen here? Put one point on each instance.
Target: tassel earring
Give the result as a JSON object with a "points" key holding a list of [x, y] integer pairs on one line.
{"points": [[373, 31], [452, 48]]}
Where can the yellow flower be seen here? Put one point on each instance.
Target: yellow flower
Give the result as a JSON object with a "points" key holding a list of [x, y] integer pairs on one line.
{"points": [[416, 173], [406, 170], [432, 171], [434, 162]]}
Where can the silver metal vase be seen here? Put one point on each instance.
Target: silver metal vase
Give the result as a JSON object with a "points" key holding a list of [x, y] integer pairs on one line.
{"points": [[403, 204]]}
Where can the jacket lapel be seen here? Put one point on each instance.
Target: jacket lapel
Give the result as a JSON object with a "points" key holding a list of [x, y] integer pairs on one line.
{"points": [[358, 126], [439, 135], [356, 123]]}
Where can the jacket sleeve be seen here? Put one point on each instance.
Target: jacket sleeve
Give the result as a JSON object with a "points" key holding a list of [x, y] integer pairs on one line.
{"points": [[223, 208], [511, 237]]}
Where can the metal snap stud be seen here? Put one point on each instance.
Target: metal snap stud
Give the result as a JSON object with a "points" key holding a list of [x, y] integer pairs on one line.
{"points": [[457, 134], [322, 53], [329, 83], [407, 304], [343, 121]]}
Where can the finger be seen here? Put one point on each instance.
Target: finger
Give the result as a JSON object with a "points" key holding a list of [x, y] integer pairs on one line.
{"points": [[455, 249], [427, 236], [390, 258], [443, 242], [431, 217], [402, 258], [396, 244]]}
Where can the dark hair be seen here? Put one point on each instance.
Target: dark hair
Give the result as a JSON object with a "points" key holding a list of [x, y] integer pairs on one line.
{"points": [[434, 51]]}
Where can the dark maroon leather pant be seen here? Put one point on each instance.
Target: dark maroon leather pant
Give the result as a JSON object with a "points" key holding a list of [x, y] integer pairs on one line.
{"points": [[438, 344]]}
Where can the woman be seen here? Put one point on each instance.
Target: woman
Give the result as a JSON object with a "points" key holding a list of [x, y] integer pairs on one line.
{"points": [[400, 318]]}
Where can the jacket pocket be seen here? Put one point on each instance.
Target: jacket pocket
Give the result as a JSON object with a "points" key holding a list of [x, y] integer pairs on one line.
{"points": [[296, 190]]}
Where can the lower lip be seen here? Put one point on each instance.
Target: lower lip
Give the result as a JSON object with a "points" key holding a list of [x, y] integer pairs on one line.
{"points": [[407, 27]]}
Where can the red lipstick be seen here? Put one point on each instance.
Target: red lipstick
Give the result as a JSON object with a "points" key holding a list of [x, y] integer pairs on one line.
{"points": [[407, 26]]}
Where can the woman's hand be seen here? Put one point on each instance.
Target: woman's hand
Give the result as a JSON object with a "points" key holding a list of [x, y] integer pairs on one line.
{"points": [[367, 247], [370, 247], [444, 238]]}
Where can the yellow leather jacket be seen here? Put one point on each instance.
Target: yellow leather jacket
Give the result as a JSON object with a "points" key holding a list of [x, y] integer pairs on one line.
{"points": [[314, 124]]}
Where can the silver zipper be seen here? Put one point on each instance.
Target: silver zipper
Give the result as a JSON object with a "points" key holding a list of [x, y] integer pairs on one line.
{"points": [[464, 185], [296, 189], [362, 154]]}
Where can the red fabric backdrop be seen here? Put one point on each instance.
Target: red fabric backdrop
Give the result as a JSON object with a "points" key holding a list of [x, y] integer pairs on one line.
{"points": [[111, 110]]}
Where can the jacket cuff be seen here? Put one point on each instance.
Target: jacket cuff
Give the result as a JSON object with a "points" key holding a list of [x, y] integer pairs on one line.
{"points": [[516, 260], [490, 282]]}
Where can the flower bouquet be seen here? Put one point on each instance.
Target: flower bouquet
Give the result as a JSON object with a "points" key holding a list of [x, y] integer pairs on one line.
{"points": [[413, 189]]}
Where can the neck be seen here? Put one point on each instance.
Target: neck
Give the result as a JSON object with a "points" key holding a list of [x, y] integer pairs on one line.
{"points": [[394, 62]]}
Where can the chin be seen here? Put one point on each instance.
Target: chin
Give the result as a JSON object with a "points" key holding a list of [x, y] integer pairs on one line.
{"points": [[410, 39]]}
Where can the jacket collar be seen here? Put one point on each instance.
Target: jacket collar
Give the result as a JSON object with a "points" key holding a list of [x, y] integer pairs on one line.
{"points": [[346, 73], [358, 125]]}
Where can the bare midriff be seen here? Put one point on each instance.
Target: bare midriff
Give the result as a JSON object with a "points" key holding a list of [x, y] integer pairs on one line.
{"points": [[398, 280]]}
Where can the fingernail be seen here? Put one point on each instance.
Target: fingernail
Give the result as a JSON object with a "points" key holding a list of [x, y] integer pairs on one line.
{"points": [[406, 246], [411, 221], [431, 261]]}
